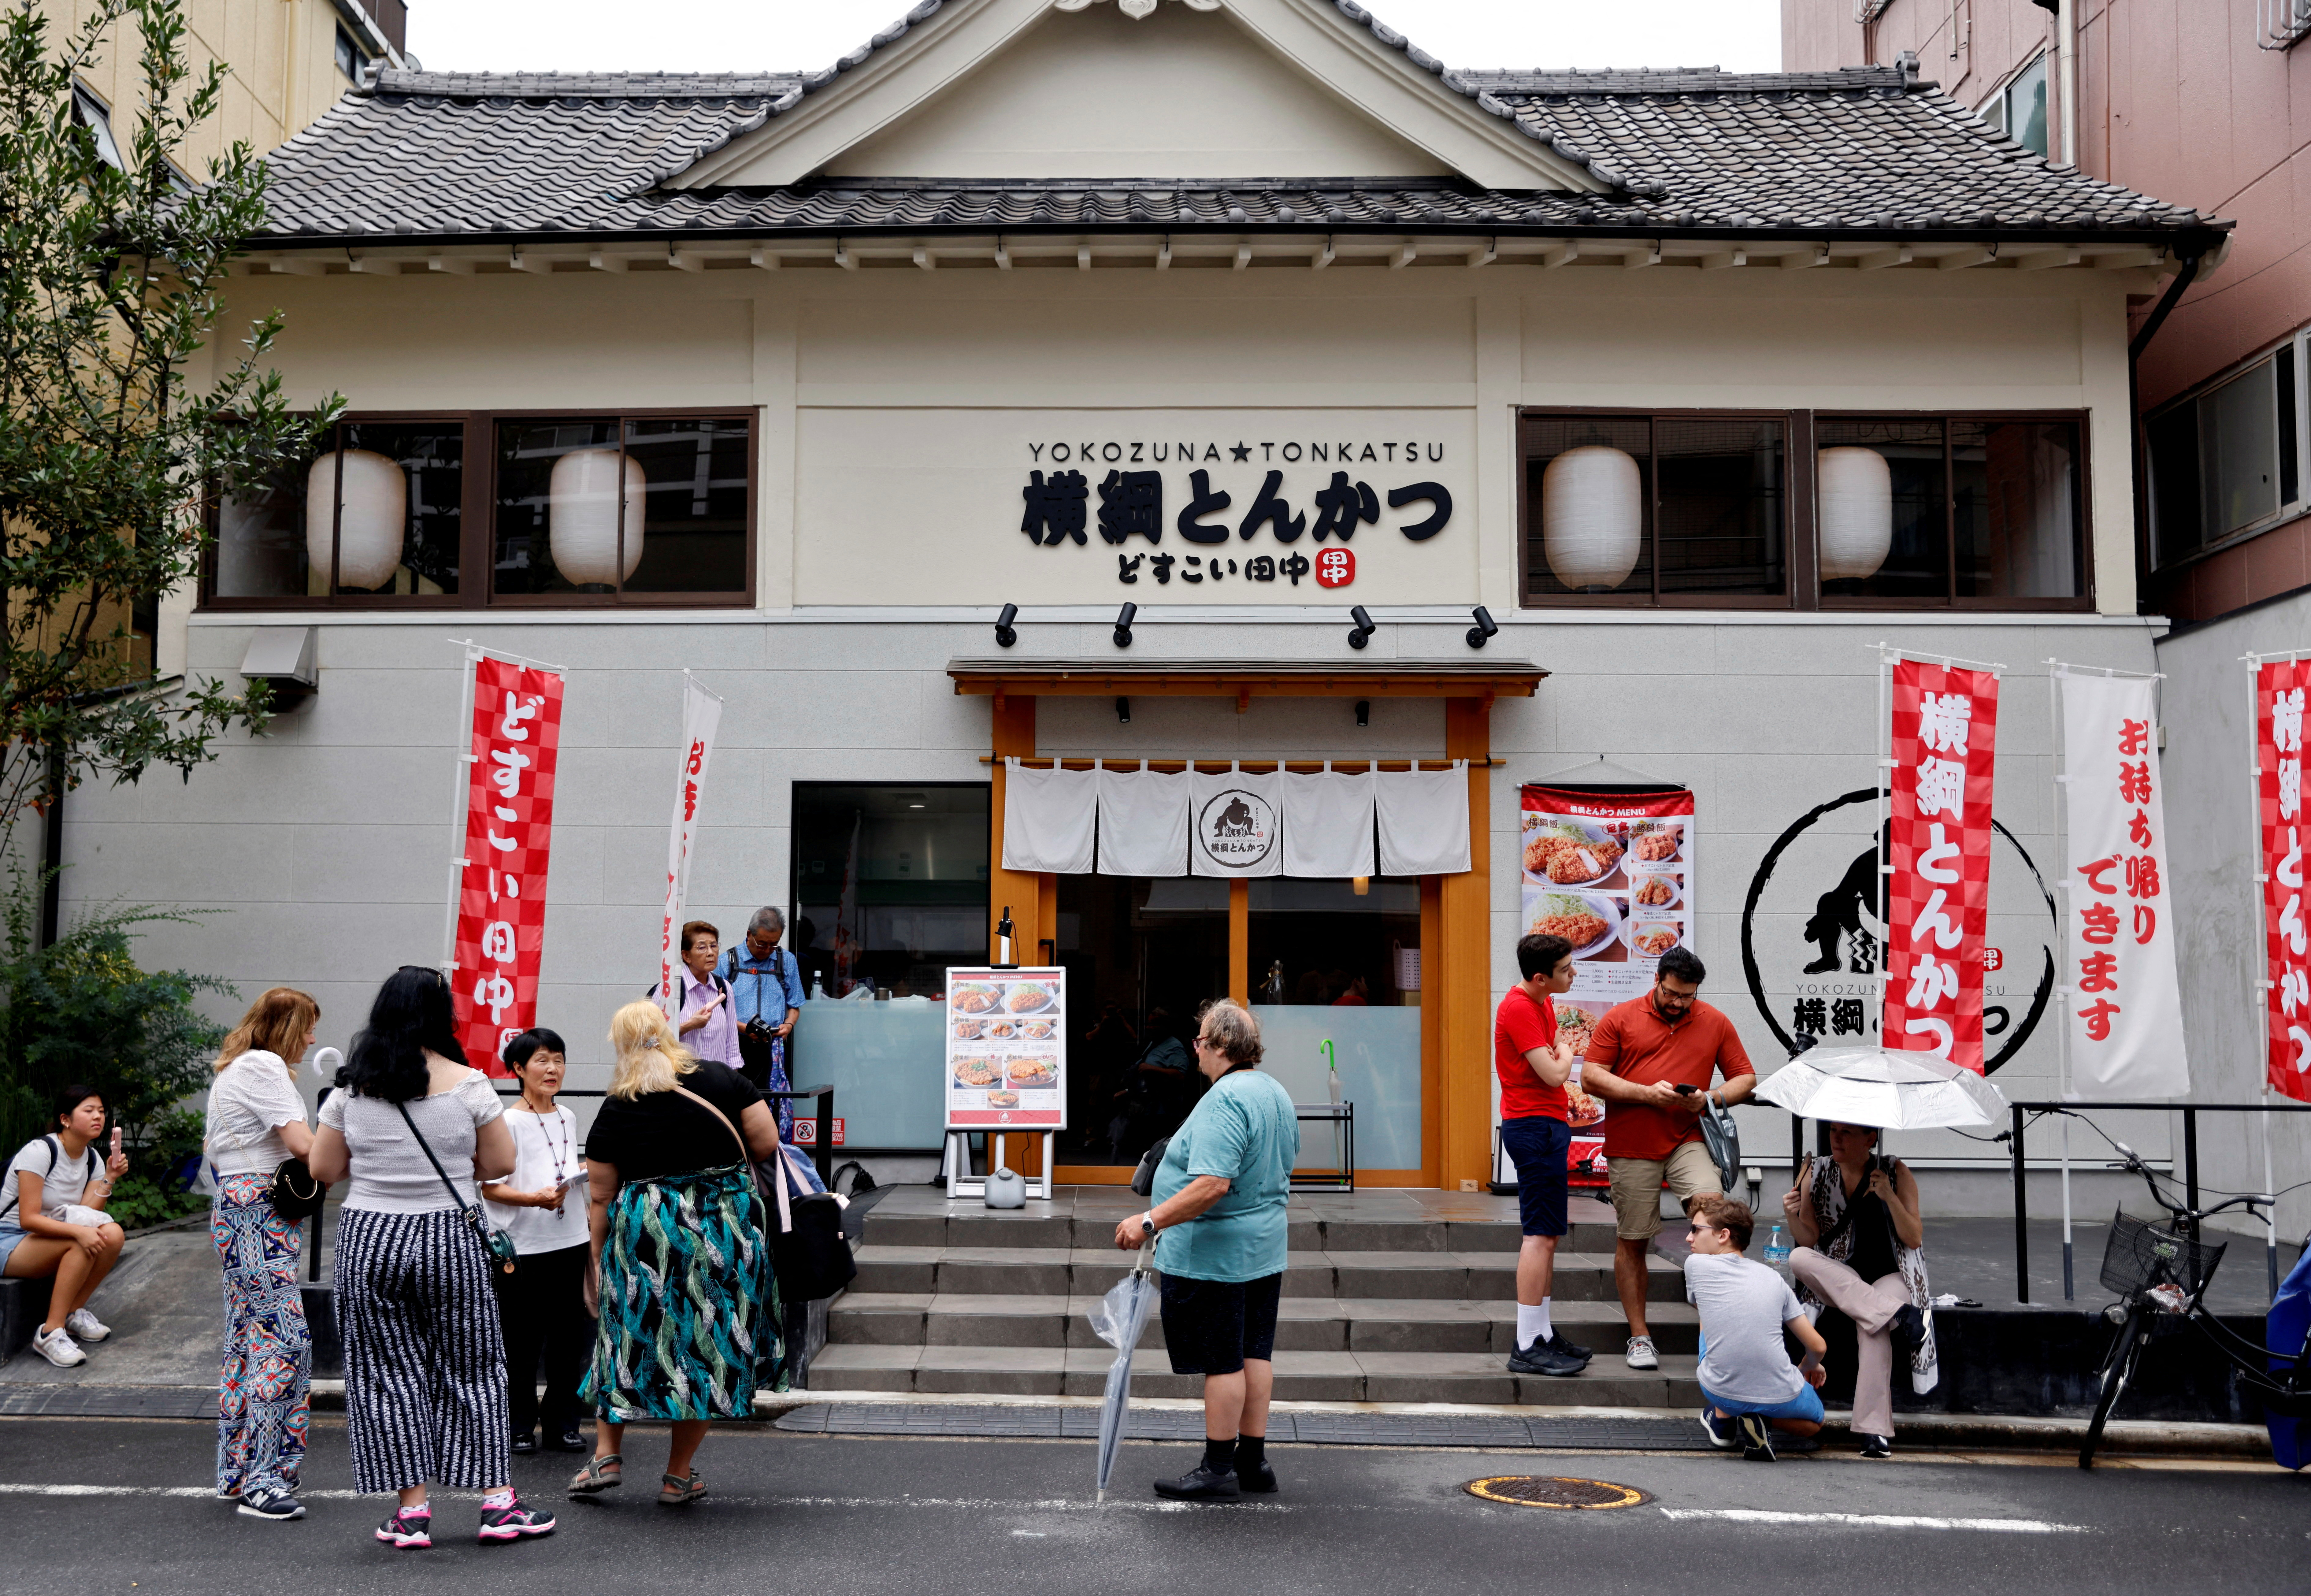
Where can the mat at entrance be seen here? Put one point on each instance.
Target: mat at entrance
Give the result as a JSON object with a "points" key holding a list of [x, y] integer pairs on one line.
{"points": [[1182, 1423]]}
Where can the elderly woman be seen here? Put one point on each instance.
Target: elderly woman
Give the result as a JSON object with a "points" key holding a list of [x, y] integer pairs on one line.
{"points": [[1219, 1228], [1861, 1250], [689, 1307]]}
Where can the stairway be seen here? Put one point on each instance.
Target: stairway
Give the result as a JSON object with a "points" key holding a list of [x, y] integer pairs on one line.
{"points": [[1390, 1296]]}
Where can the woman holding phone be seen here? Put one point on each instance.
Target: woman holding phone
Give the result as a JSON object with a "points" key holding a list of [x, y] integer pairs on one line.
{"points": [[53, 1225], [542, 1205]]}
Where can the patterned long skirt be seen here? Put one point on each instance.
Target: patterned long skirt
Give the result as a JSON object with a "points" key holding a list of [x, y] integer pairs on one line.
{"points": [[426, 1369], [690, 1307], [262, 1390]]}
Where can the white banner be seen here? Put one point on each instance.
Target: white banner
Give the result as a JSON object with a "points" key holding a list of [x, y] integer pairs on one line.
{"points": [[702, 712], [2126, 1013], [1236, 827], [1048, 818], [1143, 823]]}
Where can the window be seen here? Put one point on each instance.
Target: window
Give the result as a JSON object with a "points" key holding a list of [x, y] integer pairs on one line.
{"points": [[2019, 107], [1634, 509], [350, 59], [89, 113], [464, 510], [890, 883], [2227, 461]]}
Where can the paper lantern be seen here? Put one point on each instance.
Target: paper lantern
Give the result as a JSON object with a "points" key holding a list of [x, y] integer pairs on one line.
{"points": [[370, 522], [582, 516], [1592, 516], [1856, 494]]}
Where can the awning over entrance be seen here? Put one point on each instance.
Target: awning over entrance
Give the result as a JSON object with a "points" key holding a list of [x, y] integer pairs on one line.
{"points": [[1241, 679]]}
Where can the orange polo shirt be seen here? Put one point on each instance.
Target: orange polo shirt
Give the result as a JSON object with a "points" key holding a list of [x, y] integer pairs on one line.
{"points": [[1635, 1043]]}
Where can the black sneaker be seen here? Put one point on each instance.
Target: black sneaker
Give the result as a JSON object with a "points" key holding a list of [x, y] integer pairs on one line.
{"points": [[1877, 1446], [276, 1506], [1908, 1329], [513, 1521], [1558, 1344], [525, 1442], [1541, 1357], [1200, 1483], [1722, 1432], [412, 1531], [1756, 1440], [572, 1439], [1258, 1480]]}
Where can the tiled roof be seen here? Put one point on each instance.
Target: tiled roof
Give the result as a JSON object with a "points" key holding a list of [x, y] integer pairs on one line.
{"points": [[1863, 153]]}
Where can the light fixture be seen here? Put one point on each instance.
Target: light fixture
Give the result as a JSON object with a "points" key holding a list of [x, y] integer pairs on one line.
{"points": [[1361, 884], [584, 498], [1484, 628], [1592, 516], [1123, 711], [372, 513], [1363, 711], [1004, 636], [1123, 625], [1856, 494], [1361, 633]]}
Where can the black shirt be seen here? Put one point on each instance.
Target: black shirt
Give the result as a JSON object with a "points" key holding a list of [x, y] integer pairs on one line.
{"points": [[1873, 1257], [664, 1133]]}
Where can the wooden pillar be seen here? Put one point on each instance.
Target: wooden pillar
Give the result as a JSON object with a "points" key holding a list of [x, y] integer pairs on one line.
{"points": [[1457, 974], [1240, 939], [1432, 1031], [1031, 897]]}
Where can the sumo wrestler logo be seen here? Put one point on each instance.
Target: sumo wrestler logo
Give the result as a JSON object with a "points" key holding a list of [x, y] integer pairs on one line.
{"points": [[1236, 829]]}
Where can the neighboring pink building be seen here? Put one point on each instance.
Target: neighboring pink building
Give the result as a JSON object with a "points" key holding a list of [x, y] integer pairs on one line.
{"points": [[2195, 101]]}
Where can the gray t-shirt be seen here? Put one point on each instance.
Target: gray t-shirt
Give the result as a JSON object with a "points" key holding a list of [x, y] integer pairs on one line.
{"points": [[63, 1179], [1743, 1307]]}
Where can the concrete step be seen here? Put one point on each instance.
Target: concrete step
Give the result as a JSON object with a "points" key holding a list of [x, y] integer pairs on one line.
{"points": [[1310, 1232], [1300, 1376], [1303, 1324], [1085, 1271]]}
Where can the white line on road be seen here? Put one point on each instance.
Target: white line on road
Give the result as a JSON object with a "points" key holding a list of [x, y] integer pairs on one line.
{"points": [[1872, 1520], [964, 1503]]}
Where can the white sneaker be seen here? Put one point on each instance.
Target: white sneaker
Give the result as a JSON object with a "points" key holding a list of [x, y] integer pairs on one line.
{"points": [[1641, 1354], [83, 1326], [58, 1348]]}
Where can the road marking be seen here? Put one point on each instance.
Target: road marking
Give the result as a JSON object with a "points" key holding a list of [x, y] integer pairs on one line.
{"points": [[1872, 1520], [963, 1504]]}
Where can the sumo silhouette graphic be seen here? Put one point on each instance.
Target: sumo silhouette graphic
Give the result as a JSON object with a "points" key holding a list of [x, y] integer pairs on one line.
{"points": [[1236, 829]]}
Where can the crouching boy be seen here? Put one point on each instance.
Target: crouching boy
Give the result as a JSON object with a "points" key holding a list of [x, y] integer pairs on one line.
{"points": [[1750, 1389]]}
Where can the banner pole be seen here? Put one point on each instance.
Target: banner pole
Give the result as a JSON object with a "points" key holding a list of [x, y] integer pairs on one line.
{"points": [[461, 784], [2258, 988], [2054, 670], [1882, 839]]}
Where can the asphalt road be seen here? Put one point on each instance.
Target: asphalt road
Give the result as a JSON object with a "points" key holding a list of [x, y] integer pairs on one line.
{"points": [[101, 1505]]}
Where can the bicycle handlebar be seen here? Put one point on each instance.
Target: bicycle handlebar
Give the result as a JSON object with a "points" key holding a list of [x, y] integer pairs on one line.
{"points": [[2176, 1209]]}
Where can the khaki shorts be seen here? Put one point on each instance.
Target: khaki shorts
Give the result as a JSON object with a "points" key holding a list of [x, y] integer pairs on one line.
{"points": [[1637, 1187]]}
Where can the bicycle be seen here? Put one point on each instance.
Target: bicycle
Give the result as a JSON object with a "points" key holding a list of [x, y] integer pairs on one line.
{"points": [[2161, 1275]]}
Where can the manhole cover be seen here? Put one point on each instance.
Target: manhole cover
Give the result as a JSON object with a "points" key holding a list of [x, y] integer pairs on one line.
{"points": [[1546, 1490]]}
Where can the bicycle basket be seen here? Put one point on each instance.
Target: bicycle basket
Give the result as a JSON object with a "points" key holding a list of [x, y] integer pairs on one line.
{"points": [[2141, 1254]]}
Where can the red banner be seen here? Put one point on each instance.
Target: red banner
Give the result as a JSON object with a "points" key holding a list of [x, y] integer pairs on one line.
{"points": [[1945, 740], [2278, 697], [516, 734]]}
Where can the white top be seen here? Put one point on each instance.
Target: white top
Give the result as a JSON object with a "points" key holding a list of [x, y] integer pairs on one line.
{"points": [[390, 1174], [1743, 1307], [254, 1097], [546, 1149], [60, 1187]]}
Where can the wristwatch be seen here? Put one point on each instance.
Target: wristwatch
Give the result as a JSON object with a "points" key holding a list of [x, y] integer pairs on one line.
{"points": [[1147, 1224]]}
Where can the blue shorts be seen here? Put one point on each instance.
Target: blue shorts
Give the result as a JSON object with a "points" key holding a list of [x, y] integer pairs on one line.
{"points": [[9, 1235], [1806, 1404], [1537, 1144]]}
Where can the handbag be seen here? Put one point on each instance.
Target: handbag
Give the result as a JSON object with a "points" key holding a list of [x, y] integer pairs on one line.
{"points": [[1724, 1140], [296, 1194], [1143, 1179], [809, 1254], [494, 1242]]}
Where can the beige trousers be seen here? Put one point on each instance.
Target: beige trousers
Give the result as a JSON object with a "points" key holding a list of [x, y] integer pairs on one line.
{"points": [[1871, 1305]]}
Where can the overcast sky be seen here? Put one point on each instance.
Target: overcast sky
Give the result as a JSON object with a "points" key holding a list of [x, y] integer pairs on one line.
{"points": [[753, 35]]}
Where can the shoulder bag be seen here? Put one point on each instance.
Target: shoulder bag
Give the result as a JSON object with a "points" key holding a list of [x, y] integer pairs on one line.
{"points": [[807, 1251], [56, 1150], [1724, 1140], [295, 1195], [494, 1242], [1143, 1179]]}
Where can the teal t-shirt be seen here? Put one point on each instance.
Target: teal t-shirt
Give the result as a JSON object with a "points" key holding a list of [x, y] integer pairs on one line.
{"points": [[1243, 1130]]}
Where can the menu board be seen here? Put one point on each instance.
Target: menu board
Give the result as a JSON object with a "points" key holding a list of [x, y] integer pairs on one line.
{"points": [[1007, 1049], [1612, 874]]}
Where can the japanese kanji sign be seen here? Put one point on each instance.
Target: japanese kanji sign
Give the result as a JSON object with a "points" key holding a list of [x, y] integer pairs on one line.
{"points": [[1945, 738], [2125, 1013], [515, 735], [2279, 698], [702, 712]]}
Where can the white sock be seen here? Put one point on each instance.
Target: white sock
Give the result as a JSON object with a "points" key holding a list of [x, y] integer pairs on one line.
{"points": [[1532, 1323]]}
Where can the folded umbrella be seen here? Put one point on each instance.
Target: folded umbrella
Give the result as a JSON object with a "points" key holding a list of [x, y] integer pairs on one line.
{"points": [[1119, 1320], [1868, 1086]]}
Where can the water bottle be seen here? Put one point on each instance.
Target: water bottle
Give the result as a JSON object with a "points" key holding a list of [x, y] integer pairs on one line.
{"points": [[1777, 1251]]}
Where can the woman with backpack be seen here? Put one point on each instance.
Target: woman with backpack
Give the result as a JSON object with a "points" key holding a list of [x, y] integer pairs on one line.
{"points": [[53, 1226]]}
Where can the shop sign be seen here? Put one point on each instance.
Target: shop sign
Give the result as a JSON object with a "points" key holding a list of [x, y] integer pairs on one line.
{"points": [[2278, 701], [1007, 1049], [1944, 742], [1235, 828], [515, 741]]}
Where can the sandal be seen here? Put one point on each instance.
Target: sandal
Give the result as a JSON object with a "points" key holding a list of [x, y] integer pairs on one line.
{"points": [[681, 1490], [591, 1480]]}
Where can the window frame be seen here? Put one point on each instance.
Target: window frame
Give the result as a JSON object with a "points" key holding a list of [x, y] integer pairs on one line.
{"points": [[1800, 516], [794, 906], [2003, 98], [2298, 440], [345, 45], [477, 522]]}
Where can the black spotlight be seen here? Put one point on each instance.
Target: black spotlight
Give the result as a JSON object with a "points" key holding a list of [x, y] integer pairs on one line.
{"points": [[1123, 711], [1004, 636], [1362, 633], [1484, 628], [1123, 625], [1363, 711]]}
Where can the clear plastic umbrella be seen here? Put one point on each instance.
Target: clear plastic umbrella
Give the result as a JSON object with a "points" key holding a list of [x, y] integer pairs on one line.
{"points": [[1868, 1086], [1119, 1320]]}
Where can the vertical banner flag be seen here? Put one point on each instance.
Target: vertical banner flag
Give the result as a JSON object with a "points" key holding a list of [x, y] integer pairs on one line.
{"points": [[702, 712], [1944, 741], [1612, 873], [2279, 774], [514, 738], [2126, 1009]]}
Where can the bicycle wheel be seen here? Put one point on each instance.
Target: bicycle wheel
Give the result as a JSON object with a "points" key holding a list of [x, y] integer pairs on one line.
{"points": [[2117, 1369]]}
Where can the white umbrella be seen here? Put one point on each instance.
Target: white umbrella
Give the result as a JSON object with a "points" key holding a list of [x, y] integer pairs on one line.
{"points": [[1868, 1086]]}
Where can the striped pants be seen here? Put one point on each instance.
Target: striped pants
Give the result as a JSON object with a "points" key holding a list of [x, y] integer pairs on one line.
{"points": [[262, 1390], [426, 1375]]}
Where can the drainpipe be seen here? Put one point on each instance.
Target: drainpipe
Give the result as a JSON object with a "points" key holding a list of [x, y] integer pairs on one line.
{"points": [[52, 854], [2067, 47], [2134, 348]]}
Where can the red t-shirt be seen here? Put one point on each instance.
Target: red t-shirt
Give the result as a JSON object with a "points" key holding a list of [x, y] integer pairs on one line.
{"points": [[1635, 1043], [1520, 1025]]}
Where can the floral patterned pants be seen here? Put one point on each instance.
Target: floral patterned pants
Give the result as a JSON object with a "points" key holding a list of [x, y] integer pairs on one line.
{"points": [[262, 1390]]}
